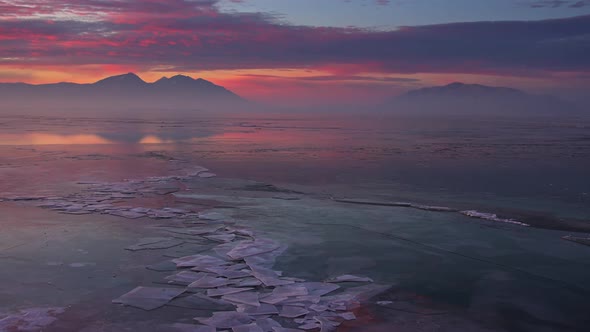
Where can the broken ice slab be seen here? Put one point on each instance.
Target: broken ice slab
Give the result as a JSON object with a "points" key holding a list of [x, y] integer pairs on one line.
{"points": [[226, 319], [319, 288], [288, 311], [152, 243], [76, 212], [248, 328], [262, 310], [127, 214], [149, 298], [347, 316], [349, 278], [251, 248], [241, 231], [212, 215], [285, 329], [318, 307], [201, 302], [221, 237], [290, 290], [268, 277], [179, 327], [246, 282], [310, 326], [228, 273], [31, 319], [196, 170], [327, 324], [267, 259], [267, 324], [249, 298], [209, 281], [577, 239], [226, 291], [302, 301], [199, 261], [352, 297], [193, 230], [159, 214], [433, 208], [273, 299], [206, 175], [185, 278], [140, 210]]}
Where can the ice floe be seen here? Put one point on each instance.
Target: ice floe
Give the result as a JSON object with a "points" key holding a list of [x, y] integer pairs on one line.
{"points": [[234, 281], [155, 243], [491, 217], [149, 298]]}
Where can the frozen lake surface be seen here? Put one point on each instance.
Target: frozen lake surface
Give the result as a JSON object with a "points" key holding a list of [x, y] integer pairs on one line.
{"points": [[441, 226]]}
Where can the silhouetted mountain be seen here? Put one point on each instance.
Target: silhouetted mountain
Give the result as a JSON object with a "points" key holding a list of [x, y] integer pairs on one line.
{"points": [[122, 81], [460, 98], [127, 91]]}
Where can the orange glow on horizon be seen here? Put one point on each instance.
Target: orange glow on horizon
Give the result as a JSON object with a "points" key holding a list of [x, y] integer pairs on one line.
{"points": [[278, 84]]}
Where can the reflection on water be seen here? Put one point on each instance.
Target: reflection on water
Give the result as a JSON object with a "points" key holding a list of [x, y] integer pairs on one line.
{"points": [[51, 139]]}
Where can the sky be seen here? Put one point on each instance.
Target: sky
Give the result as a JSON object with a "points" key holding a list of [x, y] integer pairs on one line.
{"points": [[303, 51]]}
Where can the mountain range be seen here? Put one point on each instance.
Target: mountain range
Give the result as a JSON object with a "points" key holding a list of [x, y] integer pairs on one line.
{"points": [[460, 98], [127, 90], [183, 93]]}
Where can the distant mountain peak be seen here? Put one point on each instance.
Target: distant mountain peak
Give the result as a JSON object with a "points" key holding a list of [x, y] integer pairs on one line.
{"points": [[458, 97], [180, 77], [129, 78]]}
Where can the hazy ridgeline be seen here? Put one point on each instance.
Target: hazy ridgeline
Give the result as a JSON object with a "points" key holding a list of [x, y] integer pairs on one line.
{"points": [[129, 96]]}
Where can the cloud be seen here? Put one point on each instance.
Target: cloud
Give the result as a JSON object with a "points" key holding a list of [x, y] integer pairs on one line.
{"points": [[185, 35]]}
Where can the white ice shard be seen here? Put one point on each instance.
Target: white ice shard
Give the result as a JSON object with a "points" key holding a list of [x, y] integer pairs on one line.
{"points": [[229, 273], [273, 299], [290, 290], [209, 281], [149, 298], [185, 277], [221, 237], [267, 324], [289, 311], [263, 309], [153, 243], [201, 302], [247, 328], [179, 327], [327, 324], [491, 217], [127, 214], [199, 261], [249, 298], [226, 291], [206, 175], [195, 230], [268, 277], [226, 319], [246, 282]]}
